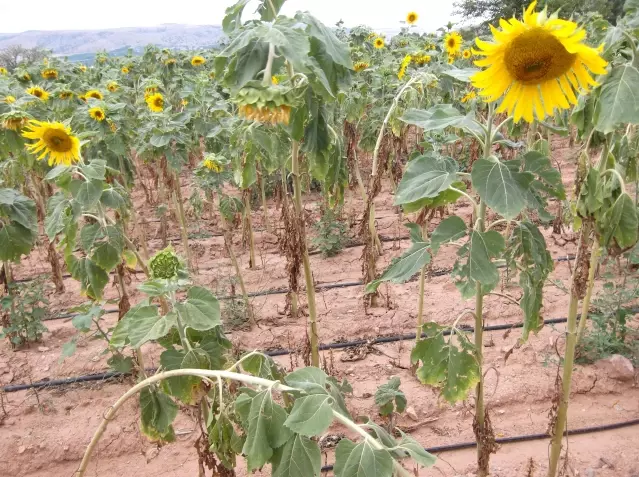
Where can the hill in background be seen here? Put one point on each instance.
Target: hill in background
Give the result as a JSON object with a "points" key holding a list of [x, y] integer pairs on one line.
{"points": [[81, 45]]}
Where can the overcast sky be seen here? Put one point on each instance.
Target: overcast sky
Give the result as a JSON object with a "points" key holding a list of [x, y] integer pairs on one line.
{"points": [[83, 15]]}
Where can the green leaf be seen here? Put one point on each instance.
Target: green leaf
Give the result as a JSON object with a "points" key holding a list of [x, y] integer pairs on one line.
{"points": [[200, 310], [310, 379], [266, 430], [409, 446], [95, 170], [438, 117], [620, 222], [449, 230], [97, 279], [56, 171], [478, 267], [183, 387], [389, 392], [444, 365], [142, 324], [425, 177], [112, 198], [337, 49], [311, 415], [289, 42], [157, 412], [58, 208], [547, 178], [266, 12], [223, 438], [233, 16], [15, 241], [106, 256], [503, 189], [262, 366], [361, 460], [300, 456], [87, 193], [403, 268], [460, 74], [618, 102], [18, 208]]}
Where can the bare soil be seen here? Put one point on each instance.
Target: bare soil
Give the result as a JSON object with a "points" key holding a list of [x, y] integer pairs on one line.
{"points": [[45, 433]]}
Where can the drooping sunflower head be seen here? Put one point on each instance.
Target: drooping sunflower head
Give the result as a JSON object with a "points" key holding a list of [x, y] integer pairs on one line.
{"points": [[421, 59], [25, 76], [125, 70], [170, 61], [266, 114], [65, 94], [466, 54], [453, 42], [3, 71], [402, 68], [360, 66], [9, 99], [198, 60], [112, 86], [97, 113], [50, 73], [112, 126], [155, 102], [411, 18], [95, 94], [82, 68], [378, 43], [14, 120], [38, 92], [469, 96], [213, 164], [536, 64], [212, 75], [53, 140]]}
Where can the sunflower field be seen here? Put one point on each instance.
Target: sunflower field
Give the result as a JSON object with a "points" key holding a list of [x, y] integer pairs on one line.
{"points": [[177, 220]]}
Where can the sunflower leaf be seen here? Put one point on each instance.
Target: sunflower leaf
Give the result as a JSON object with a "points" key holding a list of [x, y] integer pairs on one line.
{"points": [[618, 101]]}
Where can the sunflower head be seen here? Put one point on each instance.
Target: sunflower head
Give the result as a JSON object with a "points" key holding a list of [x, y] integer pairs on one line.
{"points": [[269, 105], [411, 18], [453, 42], [466, 54], [102, 59], [536, 65], [213, 164], [125, 70], [112, 86], [469, 96], [275, 80], [112, 126], [451, 59], [65, 95], [165, 264], [38, 92], [25, 77], [198, 60], [184, 102], [170, 61], [95, 94], [97, 114], [212, 75], [155, 102], [360, 66], [14, 120], [3, 71], [421, 59], [9, 99], [53, 140], [402, 68], [82, 68], [50, 73], [378, 43]]}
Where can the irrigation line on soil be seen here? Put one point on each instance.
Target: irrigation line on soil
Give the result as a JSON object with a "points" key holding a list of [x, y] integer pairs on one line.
{"points": [[276, 352], [282, 291], [523, 438]]}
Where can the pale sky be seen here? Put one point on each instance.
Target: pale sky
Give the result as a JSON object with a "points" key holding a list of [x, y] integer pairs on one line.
{"points": [[84, 15]]}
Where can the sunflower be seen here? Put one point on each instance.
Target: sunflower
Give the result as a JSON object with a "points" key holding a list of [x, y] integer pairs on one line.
{"points": [[212, 75], [451, 59], [150, 91], [273, 115], [82, 68], [54, 140], [360, 66], [421, 60], [15, 121], [379, 43], [38, 93], [125, 70], [466, 54], [402, 68], [112, 126], [25, 77], [9, 99], [469, 96], [275, 80], [112, 86], [50, 73], [536, 65], [453, 42], [97, 113], [65, 95], [198, 60], [3, 71], [170, 61], [213, 165], [155, 102], [411, 18], [95, 94], [184, 102]]}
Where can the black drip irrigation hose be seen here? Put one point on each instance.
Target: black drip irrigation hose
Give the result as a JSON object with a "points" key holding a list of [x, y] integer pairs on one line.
{"points": [[276, 352], [282, 291], [523, 438]]}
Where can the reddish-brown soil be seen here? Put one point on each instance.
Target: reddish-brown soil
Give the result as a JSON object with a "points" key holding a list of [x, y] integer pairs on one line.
{"points": [[45, 433]]}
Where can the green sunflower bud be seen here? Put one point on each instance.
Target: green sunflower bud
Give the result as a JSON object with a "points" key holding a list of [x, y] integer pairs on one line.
{"points": [[165, 264]]}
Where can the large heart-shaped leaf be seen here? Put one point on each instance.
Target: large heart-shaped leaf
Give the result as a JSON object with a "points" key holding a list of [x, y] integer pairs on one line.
{"points": [[425, 177]]}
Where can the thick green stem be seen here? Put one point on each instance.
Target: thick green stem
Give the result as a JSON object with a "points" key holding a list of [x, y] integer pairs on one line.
{"points": [[585, 306], [249, 227], [562, 413], [263, 195], [308, 275], [422, 281], [179, 206]]}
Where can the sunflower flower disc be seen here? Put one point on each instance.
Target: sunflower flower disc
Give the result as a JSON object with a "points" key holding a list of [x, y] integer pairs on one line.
{"points": [[453, 43], [39, 93], [536, 65], [97, 114], [411, 18], [53, 140], [155, 102]]}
